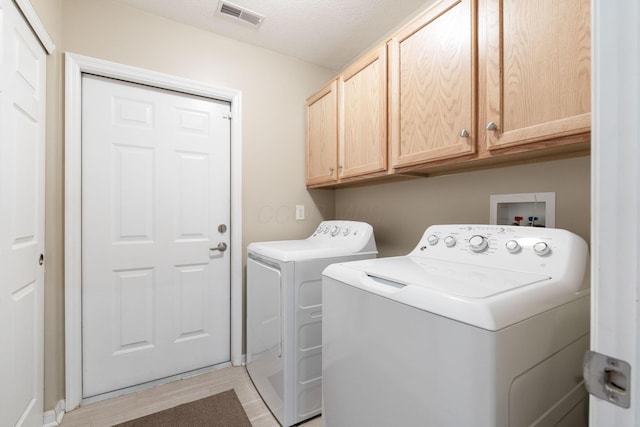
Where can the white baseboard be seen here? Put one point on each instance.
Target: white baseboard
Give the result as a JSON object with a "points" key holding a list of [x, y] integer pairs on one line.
{"points": [[53, 418]]}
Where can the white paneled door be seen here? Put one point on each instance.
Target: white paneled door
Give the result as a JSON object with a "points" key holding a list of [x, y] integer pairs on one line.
{"points": [[22, 139], [155, 226]]}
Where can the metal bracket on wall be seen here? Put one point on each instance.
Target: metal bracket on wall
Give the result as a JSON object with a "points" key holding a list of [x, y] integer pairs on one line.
{"points": [[607, 378]]}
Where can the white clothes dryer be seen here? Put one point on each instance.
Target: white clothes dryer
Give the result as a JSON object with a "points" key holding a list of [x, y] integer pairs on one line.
{"points": [[479, 326], [284, 314]]}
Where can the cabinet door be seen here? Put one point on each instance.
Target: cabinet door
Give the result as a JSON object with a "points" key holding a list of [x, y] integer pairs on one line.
{"points": [[433, 71], [322, 136], [363, 115], [538, 70]]}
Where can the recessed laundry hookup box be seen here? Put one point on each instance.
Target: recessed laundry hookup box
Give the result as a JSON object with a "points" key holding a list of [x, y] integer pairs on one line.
{"points": [[524, 209]]}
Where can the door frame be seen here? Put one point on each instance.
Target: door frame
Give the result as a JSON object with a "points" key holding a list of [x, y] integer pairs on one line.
{"points": [[32, 18], [615, 198], [75, 67]]}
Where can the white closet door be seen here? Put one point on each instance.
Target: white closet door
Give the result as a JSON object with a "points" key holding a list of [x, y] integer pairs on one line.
{"points": [[155, 189], [22, 142]]}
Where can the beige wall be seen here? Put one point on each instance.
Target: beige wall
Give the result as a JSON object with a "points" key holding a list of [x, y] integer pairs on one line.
{"points": [[400, 212], [50, 13], [273, 88]]}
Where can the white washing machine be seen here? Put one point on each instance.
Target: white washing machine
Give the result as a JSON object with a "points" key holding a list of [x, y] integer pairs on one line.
{"points": [[284, 314], [480, 325]]}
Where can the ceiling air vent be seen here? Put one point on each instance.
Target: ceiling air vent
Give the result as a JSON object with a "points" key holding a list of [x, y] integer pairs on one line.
{"points": [[240, 13]]}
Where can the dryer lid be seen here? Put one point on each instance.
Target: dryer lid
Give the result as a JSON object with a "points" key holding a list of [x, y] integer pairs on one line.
{"points": [[299, 250], [331, 239]]}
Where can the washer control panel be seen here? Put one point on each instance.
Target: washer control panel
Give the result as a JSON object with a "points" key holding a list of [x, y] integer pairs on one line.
{"points": [[490, 239], [499, 246]]}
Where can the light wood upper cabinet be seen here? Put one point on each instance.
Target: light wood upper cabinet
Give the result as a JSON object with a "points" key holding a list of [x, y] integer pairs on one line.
{"points": [[466, 84], [362, 110], [322, 135], [537, 70], [347, 124], [432, 85]]}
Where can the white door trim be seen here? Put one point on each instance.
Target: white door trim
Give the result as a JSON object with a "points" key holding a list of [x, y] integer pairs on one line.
{"points": [[615, 198], [36, 24], [75, 66]]}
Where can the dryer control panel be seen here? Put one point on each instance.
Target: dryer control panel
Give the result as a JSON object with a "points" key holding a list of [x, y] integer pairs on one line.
{"points": [[335, 232], [356, 235], [342, 230]]}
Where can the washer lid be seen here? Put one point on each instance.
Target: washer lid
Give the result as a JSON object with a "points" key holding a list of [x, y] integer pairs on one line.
{"points": [[464, 280], [485, 297]]}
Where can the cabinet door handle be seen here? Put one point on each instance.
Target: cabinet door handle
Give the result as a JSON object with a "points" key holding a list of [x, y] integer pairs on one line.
{"points": [[331, 169], [492, 126], [464, 133]]}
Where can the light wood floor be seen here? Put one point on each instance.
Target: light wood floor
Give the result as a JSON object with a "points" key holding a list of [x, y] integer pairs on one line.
{"points": [[123, 408]]}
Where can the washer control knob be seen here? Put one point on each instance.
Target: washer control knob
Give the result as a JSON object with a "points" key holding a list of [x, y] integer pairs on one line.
{"points": [[335, 230], [478, 243], [541, 248], [432, 239], [325, 228], [346, 231], [513, 246], [450, 241]]}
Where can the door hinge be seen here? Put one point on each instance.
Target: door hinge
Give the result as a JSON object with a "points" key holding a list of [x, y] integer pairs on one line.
{"points": [[607, 378], [226, 116]]}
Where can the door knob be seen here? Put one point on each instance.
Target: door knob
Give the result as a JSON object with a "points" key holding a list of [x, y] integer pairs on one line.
{"points": [[222, 246]]}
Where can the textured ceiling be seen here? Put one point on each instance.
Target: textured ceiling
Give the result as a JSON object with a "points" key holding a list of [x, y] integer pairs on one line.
{"points": [[330, 33]]}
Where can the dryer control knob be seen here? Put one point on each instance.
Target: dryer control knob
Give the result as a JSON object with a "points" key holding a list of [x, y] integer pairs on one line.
{"points": [[450, 241], [541, 248], [478, 243], [432, 239], [512, 246], [346, 231], [335, 230]]}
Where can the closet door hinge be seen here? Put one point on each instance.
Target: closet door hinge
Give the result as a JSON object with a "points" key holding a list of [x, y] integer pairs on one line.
{"points": [[226, 116]]}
